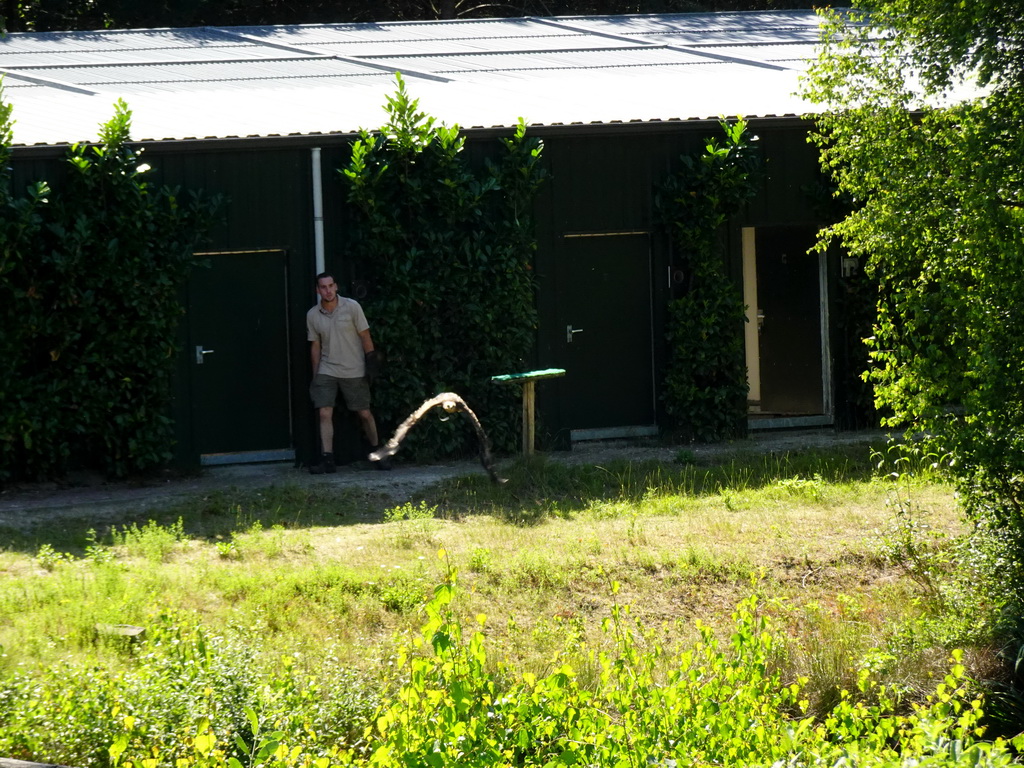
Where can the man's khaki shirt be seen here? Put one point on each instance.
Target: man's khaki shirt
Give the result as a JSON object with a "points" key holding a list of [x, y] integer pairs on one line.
{"points": [[341, 348]]}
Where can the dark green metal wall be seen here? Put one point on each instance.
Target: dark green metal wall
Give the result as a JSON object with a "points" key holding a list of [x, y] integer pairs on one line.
{"points": [[268, 205], [601, 180], [787, 194]]}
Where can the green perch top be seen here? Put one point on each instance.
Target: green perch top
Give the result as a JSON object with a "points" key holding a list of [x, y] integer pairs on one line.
{"points": [[547, 373]]}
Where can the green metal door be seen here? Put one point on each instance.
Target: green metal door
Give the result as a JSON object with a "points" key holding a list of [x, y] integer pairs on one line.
{"points": [[238, 356], [604, 311]]}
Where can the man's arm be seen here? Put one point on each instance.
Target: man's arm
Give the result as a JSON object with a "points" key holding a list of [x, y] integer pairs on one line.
{"points": [[364, 336], [314, 355], [372, 363]]}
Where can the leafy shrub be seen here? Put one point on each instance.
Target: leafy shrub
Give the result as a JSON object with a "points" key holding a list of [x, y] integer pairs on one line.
{"points": [[90, 276], [152, 541], [935, 173], [446, 254], [705, 391], [48, 558], [709, 704], [481, 560], [410, 512], [401, 595], [180, 678]]}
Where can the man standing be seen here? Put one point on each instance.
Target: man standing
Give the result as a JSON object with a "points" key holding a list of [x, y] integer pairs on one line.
{"points": [[344, 360]]}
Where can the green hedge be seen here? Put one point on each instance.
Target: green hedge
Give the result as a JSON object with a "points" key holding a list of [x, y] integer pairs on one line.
{"points": [[90, 281], [705, 391], [446, 251]]}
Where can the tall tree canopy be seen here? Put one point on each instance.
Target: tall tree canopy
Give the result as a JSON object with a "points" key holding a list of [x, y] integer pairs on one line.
{"points": [[925, 133], [45, 15]]}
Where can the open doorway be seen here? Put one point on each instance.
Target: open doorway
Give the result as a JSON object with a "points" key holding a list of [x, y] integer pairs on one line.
{"points": [[785, 291]]}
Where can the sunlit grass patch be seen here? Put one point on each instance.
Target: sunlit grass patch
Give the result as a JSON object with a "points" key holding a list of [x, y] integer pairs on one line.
{"points": [[290, 572]]}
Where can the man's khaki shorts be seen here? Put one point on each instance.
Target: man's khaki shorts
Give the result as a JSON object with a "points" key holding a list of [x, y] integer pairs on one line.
{"points": [[324, 392]]}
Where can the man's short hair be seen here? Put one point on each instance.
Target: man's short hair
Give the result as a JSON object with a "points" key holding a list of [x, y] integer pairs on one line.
{"points": [[322, 275]]}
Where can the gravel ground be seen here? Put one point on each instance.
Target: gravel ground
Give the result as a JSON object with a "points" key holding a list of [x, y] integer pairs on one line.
{"points": [[24, 507]]}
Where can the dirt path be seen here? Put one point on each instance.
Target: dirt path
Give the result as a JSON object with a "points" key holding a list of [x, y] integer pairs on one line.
{"points": [[28, 506]]}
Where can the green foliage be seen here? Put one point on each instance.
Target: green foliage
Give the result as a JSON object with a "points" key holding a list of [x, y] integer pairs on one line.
{"points": [[481, 560], [413, 523], [161, 706], [939, 218], [151, 541], [960, 576], [707, 704], [705, 390], [446, 252], [540, 489], [48, 558], [43, 15], [190, 697], [401, 595], [256, 682], [411, 512], [90, 277]]}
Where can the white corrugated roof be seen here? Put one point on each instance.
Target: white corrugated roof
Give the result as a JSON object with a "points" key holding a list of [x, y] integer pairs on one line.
{"points": [[334, 78]]}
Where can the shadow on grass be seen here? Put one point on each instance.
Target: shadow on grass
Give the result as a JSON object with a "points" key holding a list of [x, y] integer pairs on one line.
{"points": [[537, 488], [212, 516]]}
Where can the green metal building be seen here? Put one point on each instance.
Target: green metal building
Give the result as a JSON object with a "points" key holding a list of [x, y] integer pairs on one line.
{"points": [[265, 116]]}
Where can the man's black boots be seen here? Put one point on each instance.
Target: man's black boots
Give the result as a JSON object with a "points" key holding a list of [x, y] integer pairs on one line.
{"points": [[325, 467]]}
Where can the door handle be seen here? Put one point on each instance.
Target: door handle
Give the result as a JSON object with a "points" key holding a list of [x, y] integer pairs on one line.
{"points": [[200, 353], [569, 331]]}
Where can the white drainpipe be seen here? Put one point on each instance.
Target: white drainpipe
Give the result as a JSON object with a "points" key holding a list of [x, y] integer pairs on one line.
{"points": [[318, 210]]}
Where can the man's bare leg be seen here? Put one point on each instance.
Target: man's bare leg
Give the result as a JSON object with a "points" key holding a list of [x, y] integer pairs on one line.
{"points": [[327, 430], [326, 464], [369, 427], [370, 430]]}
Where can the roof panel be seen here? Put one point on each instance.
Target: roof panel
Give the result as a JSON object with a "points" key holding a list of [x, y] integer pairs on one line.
{"points": [[731, 37], [423, 37], [58, 43], [741, 24], [398, 32], [795, 53], [134, 47], [603, 58], [324, 78], [127, 56], [192, 76], [443, 46]]}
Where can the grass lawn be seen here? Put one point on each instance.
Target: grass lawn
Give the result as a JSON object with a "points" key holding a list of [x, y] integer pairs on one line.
{"points": [[858, 570]]}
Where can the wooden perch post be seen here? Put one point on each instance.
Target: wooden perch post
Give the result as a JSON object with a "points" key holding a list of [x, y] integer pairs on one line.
{"points": [[529, 398]]}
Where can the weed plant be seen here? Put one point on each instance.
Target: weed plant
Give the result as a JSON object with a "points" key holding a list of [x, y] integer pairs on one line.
{"points": [[152, 541], [177, 677]]}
